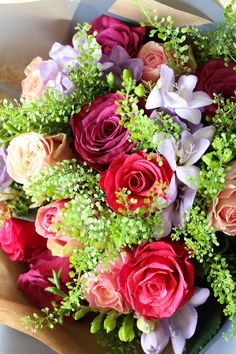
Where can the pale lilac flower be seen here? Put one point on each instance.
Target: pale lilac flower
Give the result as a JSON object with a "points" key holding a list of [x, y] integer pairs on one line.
{"points": [[5, 179], [177, 328], [119, 60], [183, 154], [178, 97]]}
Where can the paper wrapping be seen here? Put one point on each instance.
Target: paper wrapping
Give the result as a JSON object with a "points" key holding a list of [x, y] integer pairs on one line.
{"points": [[49, 24]]}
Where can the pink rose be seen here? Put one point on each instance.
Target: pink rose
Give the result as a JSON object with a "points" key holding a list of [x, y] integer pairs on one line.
{"points": [[111, 31], [19, 240], [153, 56], [36, 280], [32, 85], [222, 214], [101, 291], [29, 153], [47, 216]]}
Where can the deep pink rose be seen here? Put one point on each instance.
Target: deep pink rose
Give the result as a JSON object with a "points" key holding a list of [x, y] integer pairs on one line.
{"points": [[101, 290], [36, 280], [98, 136], [137, 174], [111, 31], [19, 240], [158, 279], [215, 77]]}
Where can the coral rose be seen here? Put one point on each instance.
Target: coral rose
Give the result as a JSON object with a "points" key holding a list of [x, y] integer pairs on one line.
{"points": [[47, 216], [29, 153], [99, 137], [111, 31], [136, 173], [158, 279], [215, 77], [153, 56], [33, 85], [222, 214], [19, 240], [101, 291], [35, 281]]}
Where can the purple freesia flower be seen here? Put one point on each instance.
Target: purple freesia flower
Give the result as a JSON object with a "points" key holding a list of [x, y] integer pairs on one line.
{"points": [[5, 179], [183, 154], [178, 328], [119, 60], [178, 97]]}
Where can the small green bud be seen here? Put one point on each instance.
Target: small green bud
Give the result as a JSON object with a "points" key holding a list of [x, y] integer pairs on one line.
{"points": [[145, 326], [140, 90], [126, 75], [111, 80], [110, 321], [97, 323], [126, 331], [81, 313]]}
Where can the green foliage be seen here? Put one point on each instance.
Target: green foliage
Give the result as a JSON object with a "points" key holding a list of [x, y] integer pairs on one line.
{"points": [[219, 43]]}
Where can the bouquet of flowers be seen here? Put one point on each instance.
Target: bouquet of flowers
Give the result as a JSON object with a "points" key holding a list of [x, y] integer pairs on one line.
{"points": [[118, 183]]}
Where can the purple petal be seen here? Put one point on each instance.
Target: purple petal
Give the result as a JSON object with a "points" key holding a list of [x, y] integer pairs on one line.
{"points": [[200, 99], [136, 68], [154, 99], [185, 201], [189, 175], [178, 343], [173, 100], [172, 190], [168, 150], [186, 85], [154, 342], [63, 55], [119, 55], [200, 296], [198, 150], [167, 78], [205, 133], [192, 115], [167, 216], [183, 323], [48, 70]]}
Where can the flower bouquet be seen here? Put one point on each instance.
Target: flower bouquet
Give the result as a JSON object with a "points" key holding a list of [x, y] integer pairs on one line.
{"points": [[118, 188]]}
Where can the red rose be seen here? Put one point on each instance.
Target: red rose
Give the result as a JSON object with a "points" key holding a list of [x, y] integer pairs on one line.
{"points": [[19, 240], [138, 175], [158, 279], [215, 77], [98, 136], [111, 31], [36, 280]]}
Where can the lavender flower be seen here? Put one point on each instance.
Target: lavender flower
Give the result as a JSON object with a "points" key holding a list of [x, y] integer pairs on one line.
{"points": [[178, 97], [119, 60], [178, 328], [5, 179]]}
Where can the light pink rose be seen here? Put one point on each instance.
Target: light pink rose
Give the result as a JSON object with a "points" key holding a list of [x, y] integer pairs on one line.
{"points": [[153, 56], [47, 216], [32, 85], [101, 291], [222, 214], [29, 153]]}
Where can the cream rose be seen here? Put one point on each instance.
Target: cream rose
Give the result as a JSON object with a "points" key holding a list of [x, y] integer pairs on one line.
{"points": [[222, 214], [29, 153], [32, 85], [153, 56]]}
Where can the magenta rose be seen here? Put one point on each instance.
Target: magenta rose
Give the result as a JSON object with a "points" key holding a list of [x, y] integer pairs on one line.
{"points": [[111, 31], [19, 240], [158, 279], [35, 281], [215, 77], [136, 173], [98, 136], [101, 289]]}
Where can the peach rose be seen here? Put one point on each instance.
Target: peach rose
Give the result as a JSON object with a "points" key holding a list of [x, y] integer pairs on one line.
{"points": [[153, 56], [29, 153], [32, 85], [101, 291], [222, 214], [48, 215]]}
